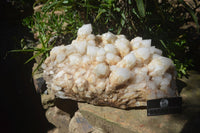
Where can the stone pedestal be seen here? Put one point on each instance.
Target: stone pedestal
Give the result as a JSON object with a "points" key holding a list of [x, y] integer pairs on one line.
{"points": [[68, 117], [135, 120], [58, 118]]}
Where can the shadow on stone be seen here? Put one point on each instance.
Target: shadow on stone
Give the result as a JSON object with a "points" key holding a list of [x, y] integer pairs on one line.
{"points": [[67, 105], [137, 108], [189, 90], [180, 85], [192, 114], [39, 84], [192, 126]]}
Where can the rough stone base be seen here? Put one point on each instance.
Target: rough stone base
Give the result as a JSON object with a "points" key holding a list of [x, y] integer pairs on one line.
{"points": [[58, 118], [100, 119], [128, 121], [79, 124], [137, 121]]}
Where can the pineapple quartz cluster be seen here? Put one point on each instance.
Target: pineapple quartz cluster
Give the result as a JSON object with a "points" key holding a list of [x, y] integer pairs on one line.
{"points": [[109, 70]]}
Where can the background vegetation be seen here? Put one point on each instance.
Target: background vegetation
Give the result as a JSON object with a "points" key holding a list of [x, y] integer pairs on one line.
{"points": [[173, 26]]}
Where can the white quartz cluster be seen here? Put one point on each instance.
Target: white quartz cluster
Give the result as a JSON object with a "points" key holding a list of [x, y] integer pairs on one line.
{"points": [[109, 70]]}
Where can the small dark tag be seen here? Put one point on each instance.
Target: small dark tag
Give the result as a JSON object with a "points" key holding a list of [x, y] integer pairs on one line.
{"points": [[164, 106]]}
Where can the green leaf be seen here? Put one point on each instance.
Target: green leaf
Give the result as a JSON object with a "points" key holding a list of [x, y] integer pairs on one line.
{"points": [[117, 9], [33, 57], [163, 44], [122, 22], [119, 30], [137, 15], [45, 9], [47, 40], [99, 14], [65, 2], [129, 2], [123, 15], [22, 42], [23, 50], [192, 13], [41, 39], [141, 8], [110, 1], [39, 65]]}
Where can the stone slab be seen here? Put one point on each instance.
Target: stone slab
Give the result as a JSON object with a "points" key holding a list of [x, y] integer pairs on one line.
{"points": [[136, 120], [191, 89], [58, 118], [79, 124]]}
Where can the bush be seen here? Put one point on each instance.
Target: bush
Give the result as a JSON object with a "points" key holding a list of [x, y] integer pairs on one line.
{"points": [[57, 21]]}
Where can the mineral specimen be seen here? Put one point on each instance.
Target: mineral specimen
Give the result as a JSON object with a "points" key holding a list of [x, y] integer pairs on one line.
{"points": [[109, 70]]}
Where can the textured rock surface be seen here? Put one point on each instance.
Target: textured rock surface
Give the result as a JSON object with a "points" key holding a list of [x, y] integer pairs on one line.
{"points": [[55, 130], [131, 121], [137, 121], [58, 118], [38, 79], [47, 100], [191, 90], [109, 70], [79, 124]]}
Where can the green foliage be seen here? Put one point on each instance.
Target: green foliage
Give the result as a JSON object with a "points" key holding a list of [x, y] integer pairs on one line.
{"points": [[140, 7], [49, 26], [150, 19], [43, 52]]}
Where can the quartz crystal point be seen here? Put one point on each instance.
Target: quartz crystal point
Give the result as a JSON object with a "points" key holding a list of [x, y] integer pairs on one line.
{"points": [[109, 70]]}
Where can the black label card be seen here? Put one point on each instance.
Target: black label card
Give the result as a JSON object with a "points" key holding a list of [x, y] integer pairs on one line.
{"points": [[164, 106]]}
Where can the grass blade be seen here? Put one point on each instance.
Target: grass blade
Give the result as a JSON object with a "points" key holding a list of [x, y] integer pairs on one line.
{"points": [[39, 65], [194, 17], [33, 57], [99, 14], [31, 49], [22, 50], [141, 8]]}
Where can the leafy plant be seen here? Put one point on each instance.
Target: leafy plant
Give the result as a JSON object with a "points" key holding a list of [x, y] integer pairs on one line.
{"points": [[43, 52], [49, 28], [160, 21]]}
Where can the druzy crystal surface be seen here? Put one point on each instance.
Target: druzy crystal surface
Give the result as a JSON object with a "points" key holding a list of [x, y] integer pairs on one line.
{"points": [[109, 70]]}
